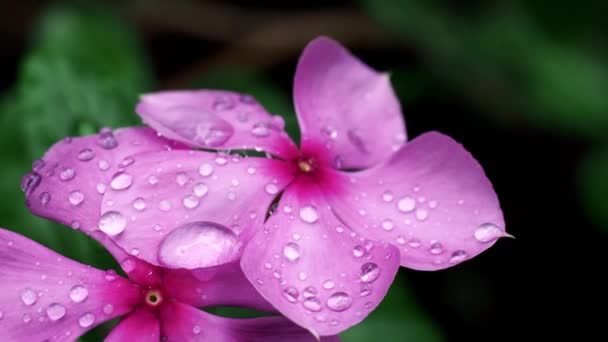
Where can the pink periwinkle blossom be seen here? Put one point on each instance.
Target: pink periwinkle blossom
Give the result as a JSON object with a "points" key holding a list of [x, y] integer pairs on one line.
{"points": [[46, 297], [353, 203]]}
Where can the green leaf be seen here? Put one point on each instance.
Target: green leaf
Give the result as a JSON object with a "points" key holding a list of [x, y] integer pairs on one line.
{"points": [[593, 186], [250, 81], [503, 60], [398, 318]]}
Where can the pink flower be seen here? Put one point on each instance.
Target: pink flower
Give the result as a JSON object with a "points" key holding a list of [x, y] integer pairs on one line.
{"points": [[48, 297], [354, 202]]}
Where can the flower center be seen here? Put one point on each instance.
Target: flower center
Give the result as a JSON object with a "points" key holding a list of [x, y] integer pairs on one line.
{"points": [[306, 165], [153, 298]]}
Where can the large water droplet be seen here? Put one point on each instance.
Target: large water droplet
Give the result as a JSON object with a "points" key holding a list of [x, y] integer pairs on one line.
{"points": [[488, 232], [86, 154], [312, 304], [29, 297], [359, 251], [86, 320], [209, 131], [436, 248], [121, 181], [406, 204], [458, 256], [78, 293], [199, 244], [55, 311], [205, 169], [291, 251], [112, 223], [76, 198], [339, 301], [190, 202], [291, 294], [369, 272], [309, 214]]}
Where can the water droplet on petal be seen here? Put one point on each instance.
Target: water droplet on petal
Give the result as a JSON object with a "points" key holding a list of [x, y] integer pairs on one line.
{"points": [[357, 141], [200, 189], [205, 169], [139, 204], [106, 139], [312, 304], [339, 301], [251, 170], [55, 311], [221, 160], [406, 204], [415, 243], [223, 103], [78, 293], [38, 164], [271, 188], [103, 165], [112, 223], [190, 202], [309, 214], [86, 154], [366, 290], [291, 294], [302, 276], [199, 244], [388, 225], [196, 329], [164, 205], [310, 291], [422, 214], [291, 251], [30, 182], [181, 179], [45, 198], [369, 272], [328, 284], [128, 265], [152, 180], [76, 198], [436, 248], [27, 318], [260, 130], [29, 297], [67, 174], [359, 251], [101, 188], [387, 196], [488, 232], [86, 320], [458, 256], [121, 181], [108, 309]]}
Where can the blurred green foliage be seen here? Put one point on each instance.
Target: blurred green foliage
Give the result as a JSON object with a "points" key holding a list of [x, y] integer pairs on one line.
{"points": [[504, 58], [593, 180]]}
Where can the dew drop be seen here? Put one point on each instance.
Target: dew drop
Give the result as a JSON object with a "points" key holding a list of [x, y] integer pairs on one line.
{"points": [[359, 251], [422, 214], [291, 251], [106, 139], [251, 170], [55, 311], [221, 160], [312, 304], [78, 293], [121, 181], [388, 225], [152, 180], [291, 294], [205, 169], [164, 205], [45, 198], [366, 290], [369, 272], [328, 284], [199, 244], [458, 256], [27, 318], [271, 188], [260, 130], [310, 291], [339, 301], [86, 154], [436, 248], [108, 309], [406, 204], [67, 174], [488, 232], [101, 188], [112, 223], [28, 297], [387, 196], [196, 329], [86, 320], [309, 214], [139, 204], [103, 165], [181, 179], [190, 202], [76, 198]]}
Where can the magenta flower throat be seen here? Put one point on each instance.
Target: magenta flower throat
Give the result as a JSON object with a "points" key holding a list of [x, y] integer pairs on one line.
{"points": [[356, 200]]}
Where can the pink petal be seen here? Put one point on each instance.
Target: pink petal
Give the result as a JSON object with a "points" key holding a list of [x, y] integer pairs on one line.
{"points": [[182, 322], [140, 326], [44, 296], [347, 106], [163, 215], [76, 172], [314, 270], [431, 199], [215, 119], [223, 285]]}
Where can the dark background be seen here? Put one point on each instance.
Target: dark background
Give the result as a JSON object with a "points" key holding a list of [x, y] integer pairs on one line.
{"points": [[522, 84]]}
